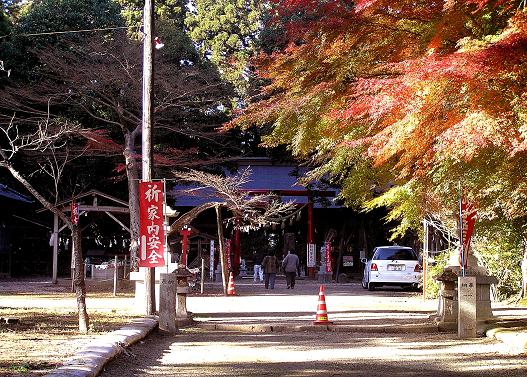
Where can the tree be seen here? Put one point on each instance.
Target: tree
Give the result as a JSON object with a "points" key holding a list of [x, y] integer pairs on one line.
{"points": [[47, 146], [379, 93], [398, 102], [249, 212], [191, 101], [5, 24], [164, 10], [227, 32], [56, 22]]}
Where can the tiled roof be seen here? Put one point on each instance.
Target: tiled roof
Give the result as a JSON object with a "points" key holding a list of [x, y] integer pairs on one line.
{"points": [[263, 177], [9, 193]]}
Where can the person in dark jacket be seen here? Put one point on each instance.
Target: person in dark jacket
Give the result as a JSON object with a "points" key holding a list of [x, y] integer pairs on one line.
{"points": [[290, 266], [270, 267]]}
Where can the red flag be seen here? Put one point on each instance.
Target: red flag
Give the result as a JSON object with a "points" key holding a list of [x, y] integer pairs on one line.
{"points": [[151, 224], [468, 215]]}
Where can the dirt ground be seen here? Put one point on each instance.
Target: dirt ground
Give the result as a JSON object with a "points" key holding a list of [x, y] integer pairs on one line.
{"points": [[46, 333], [195, 352]]}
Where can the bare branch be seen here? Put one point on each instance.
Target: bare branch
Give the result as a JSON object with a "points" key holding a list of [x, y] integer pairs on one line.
{"points": [[249, 211]]}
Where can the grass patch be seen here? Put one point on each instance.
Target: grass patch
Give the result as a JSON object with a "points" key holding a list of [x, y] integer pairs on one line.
{"points": [[46, 335]]}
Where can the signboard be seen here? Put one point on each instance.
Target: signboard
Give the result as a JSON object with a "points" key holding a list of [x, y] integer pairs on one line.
{"points": [[151, 224], [328, 257], [211, 262], [311, 255], [347, 260]]}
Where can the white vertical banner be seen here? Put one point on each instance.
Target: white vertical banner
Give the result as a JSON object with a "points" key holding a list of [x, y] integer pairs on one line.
{"points": [[311, 255], [211, 262]]}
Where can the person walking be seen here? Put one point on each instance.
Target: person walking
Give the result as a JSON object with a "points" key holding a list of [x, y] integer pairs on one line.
{"points": [[270, 267], [290, 266], [257, 266]]}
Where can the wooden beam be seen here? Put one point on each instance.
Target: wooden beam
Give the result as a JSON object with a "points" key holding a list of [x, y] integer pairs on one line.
{"points": [[117, 221], [88, 208]]}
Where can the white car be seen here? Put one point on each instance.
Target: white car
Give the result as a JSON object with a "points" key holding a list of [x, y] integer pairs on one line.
{"points": [[392, 265]]}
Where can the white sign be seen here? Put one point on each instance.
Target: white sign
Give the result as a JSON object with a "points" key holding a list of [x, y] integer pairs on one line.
{"points": [[311, 255], [347, 260], [211, 263]]}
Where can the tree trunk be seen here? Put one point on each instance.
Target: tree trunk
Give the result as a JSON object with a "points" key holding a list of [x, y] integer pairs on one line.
{"points": [[132, 173], [223, 259], [78, 278]]}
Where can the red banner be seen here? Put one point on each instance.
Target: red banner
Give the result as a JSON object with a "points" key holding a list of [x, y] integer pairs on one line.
{"points": [[74, 212], [468, 214], [151, 224]]}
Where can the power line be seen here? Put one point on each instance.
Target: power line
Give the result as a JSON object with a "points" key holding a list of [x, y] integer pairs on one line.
{"points": [[64, 32]]}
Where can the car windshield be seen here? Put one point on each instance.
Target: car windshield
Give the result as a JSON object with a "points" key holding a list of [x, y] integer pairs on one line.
{"points": [[394, 253]]}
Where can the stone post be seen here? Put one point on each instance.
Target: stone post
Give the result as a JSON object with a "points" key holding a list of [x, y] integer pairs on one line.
{"points": [[466, 326], [167, 303], [524, 275]]}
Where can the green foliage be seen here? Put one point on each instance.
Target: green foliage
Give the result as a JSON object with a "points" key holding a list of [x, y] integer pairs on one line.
{"points": [[178, 45], [11, 8], [500, 249], [60, 15], [226, 31], [406, 208], [5, 23], [435, 269], [132, 11], [21, 52]]}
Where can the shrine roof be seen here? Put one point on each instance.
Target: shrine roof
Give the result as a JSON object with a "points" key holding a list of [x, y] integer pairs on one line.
{"points": [[265, 177], [9, 193]]}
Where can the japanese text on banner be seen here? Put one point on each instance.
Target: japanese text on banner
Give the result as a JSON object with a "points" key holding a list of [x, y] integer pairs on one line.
{"points": [[151, 224], [328, 257]]}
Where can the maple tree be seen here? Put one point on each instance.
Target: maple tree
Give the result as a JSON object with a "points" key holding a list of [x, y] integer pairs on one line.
{"points": [[406, 98]]}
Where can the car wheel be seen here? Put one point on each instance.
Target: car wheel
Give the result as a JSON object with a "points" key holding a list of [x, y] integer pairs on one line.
{"points": [[371, 287]]}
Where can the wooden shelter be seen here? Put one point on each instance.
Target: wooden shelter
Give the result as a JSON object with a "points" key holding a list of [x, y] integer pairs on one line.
{"points": [[91, 201]]}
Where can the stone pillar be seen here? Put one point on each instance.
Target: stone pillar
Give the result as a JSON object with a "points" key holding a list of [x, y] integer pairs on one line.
{"points": [[524, 275], [466, 326], [167, 303]]}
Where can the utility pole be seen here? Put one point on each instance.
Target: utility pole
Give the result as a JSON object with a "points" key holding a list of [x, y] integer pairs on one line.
{"points": [[146, 127]]}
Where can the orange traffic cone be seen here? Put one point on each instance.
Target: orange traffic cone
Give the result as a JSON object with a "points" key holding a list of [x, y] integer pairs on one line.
{"points": [[230, 289], [322, 313]]}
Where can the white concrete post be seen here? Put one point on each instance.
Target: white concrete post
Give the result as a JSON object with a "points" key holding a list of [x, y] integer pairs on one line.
{"points": [[55, 247]]}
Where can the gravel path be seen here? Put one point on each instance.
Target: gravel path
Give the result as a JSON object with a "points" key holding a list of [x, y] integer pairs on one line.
{"points": [[376, 351], [195, 352]]}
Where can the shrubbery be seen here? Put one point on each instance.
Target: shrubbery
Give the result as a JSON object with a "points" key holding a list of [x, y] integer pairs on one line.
{"points": [[434, 269], [502, 260]]}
